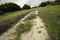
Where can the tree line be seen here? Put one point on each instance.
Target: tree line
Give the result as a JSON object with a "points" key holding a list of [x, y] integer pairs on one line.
{"points": [[9, 7], [43, 4]]}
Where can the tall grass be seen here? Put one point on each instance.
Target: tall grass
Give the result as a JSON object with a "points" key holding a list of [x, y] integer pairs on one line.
{"points": [[51, 17]]}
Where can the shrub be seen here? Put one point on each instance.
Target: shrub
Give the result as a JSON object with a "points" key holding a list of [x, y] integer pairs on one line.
{"points": [[1, 12], [26, 6], [43, 4], [9, 7]]}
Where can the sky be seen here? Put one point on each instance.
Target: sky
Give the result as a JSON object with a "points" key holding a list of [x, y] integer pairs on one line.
{"points": [[32, 3]]}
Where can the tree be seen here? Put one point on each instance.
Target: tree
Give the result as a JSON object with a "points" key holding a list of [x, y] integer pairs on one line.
{"points": [[9, 7], [43, 4], [57, 1], [26, 6]]}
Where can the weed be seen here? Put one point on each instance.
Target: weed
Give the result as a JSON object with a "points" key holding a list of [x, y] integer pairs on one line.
{"points": [[39, 31], [23, 28]]}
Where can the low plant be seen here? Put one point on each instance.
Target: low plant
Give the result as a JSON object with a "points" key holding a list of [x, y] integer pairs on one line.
{"points": [[22, 28]]}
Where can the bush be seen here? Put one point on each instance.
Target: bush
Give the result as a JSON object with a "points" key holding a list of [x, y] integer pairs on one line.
{"points": [[43, 4], [9, 7], [55, 3], [1, 12], [26, 6]]}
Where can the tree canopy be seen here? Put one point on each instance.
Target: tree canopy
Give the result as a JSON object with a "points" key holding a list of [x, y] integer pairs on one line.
{"points": [[26, 6], [57, 1], [43, 4], [8, 7]]}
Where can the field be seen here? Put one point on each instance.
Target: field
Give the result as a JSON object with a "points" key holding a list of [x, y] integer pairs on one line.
{"points": [[8, 20], [12, 15], [51, 17], [49, 14]]}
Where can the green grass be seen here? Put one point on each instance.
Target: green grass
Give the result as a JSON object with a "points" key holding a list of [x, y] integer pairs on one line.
{"points": [[39, 31], [12, 14], [51, 17]]}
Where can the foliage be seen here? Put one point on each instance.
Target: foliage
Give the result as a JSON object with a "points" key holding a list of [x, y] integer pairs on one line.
{"points": [[22, 28], [26, 6], [43, 4], [8, 7], [39, 31], [57, 1]]}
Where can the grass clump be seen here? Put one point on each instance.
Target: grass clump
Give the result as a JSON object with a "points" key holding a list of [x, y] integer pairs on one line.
{"points": [[39, 31], [23, 28], [41, 27]]}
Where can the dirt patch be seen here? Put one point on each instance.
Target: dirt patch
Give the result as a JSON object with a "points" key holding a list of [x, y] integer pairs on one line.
{"points": [[33, 34]]}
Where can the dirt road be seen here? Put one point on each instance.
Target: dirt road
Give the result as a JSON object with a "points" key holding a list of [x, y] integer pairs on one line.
{"points": [[38, 31]]}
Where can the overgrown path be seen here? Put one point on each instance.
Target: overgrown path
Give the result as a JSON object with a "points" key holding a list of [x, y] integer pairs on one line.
{"points": [[9, 35], [38, 31]]}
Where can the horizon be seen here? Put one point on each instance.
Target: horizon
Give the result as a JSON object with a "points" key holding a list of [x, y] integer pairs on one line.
{"points": [[32, 3]]}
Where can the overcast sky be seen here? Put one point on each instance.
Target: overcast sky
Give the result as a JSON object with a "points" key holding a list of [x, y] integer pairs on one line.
{"points": [[22, 2]]}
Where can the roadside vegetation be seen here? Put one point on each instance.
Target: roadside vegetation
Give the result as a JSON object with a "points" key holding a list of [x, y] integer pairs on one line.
{"points": [[52, 3], [10, 7], [8, 19], [50, 13], [51, 17], [10, 14], [26, 7]]}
